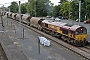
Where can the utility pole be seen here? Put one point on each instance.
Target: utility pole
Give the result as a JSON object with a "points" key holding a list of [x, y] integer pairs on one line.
{"points": [[20, 21], [79, 12]]}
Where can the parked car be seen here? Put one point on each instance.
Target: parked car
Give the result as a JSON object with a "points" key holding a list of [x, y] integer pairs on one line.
{"points": [[57, 19], [86, 21], [60, 17], [77, 20], [49, 16]]}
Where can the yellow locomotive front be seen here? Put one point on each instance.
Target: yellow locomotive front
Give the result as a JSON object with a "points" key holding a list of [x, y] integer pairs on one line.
{"points": [[80, 35]]}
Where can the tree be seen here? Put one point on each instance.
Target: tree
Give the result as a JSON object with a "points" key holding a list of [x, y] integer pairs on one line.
{"points": [[41, 7], [87, 9], [74, 10], [56, 12], [65, 9], [84, 9], [14, 7], [23, 8]]}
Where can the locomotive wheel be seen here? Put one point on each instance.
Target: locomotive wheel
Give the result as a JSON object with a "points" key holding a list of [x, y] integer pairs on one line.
{"points": [[72, 42], [76, 43], [84, 43], [68, 40]]}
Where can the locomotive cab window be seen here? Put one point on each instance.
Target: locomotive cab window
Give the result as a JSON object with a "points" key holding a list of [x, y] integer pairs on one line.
{"points": [[81, 31]]}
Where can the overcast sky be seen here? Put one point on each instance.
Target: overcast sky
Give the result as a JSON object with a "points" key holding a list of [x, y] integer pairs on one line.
{"points": [[7, 2]]}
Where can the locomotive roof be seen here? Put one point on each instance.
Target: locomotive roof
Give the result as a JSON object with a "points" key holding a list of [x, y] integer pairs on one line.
{"points": [[60, 24], [64, 25], [74, 27]]}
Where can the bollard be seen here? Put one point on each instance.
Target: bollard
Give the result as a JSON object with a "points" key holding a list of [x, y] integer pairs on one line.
{"points": [[23, 33], [38, 46]]}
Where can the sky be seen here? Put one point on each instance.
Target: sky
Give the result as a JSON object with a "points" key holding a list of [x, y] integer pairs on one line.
{"points": [[55, 2], [7, 2]]}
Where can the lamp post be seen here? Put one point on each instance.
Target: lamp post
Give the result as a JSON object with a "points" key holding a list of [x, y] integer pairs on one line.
{"points": [[20, 21], [79, 12]]}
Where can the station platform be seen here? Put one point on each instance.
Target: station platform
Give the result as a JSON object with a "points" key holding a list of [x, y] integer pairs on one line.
{"points": [[17, 48]]}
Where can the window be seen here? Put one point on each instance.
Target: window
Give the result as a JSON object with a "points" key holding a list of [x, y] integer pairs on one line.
{"points": [[46, 25], [78, 32], [65, 31], [81, 31]]}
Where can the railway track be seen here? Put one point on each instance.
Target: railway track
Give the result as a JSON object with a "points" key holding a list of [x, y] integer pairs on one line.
{"points": [[82, 51], [85, 49]]}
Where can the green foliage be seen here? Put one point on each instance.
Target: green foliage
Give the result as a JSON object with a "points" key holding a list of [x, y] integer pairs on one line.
{"points": [[45, 7], [23, 9], [41, 7], [57, 11], [87, 9], [71, 9], [65, 9], [74, 10], [14, 7]]}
